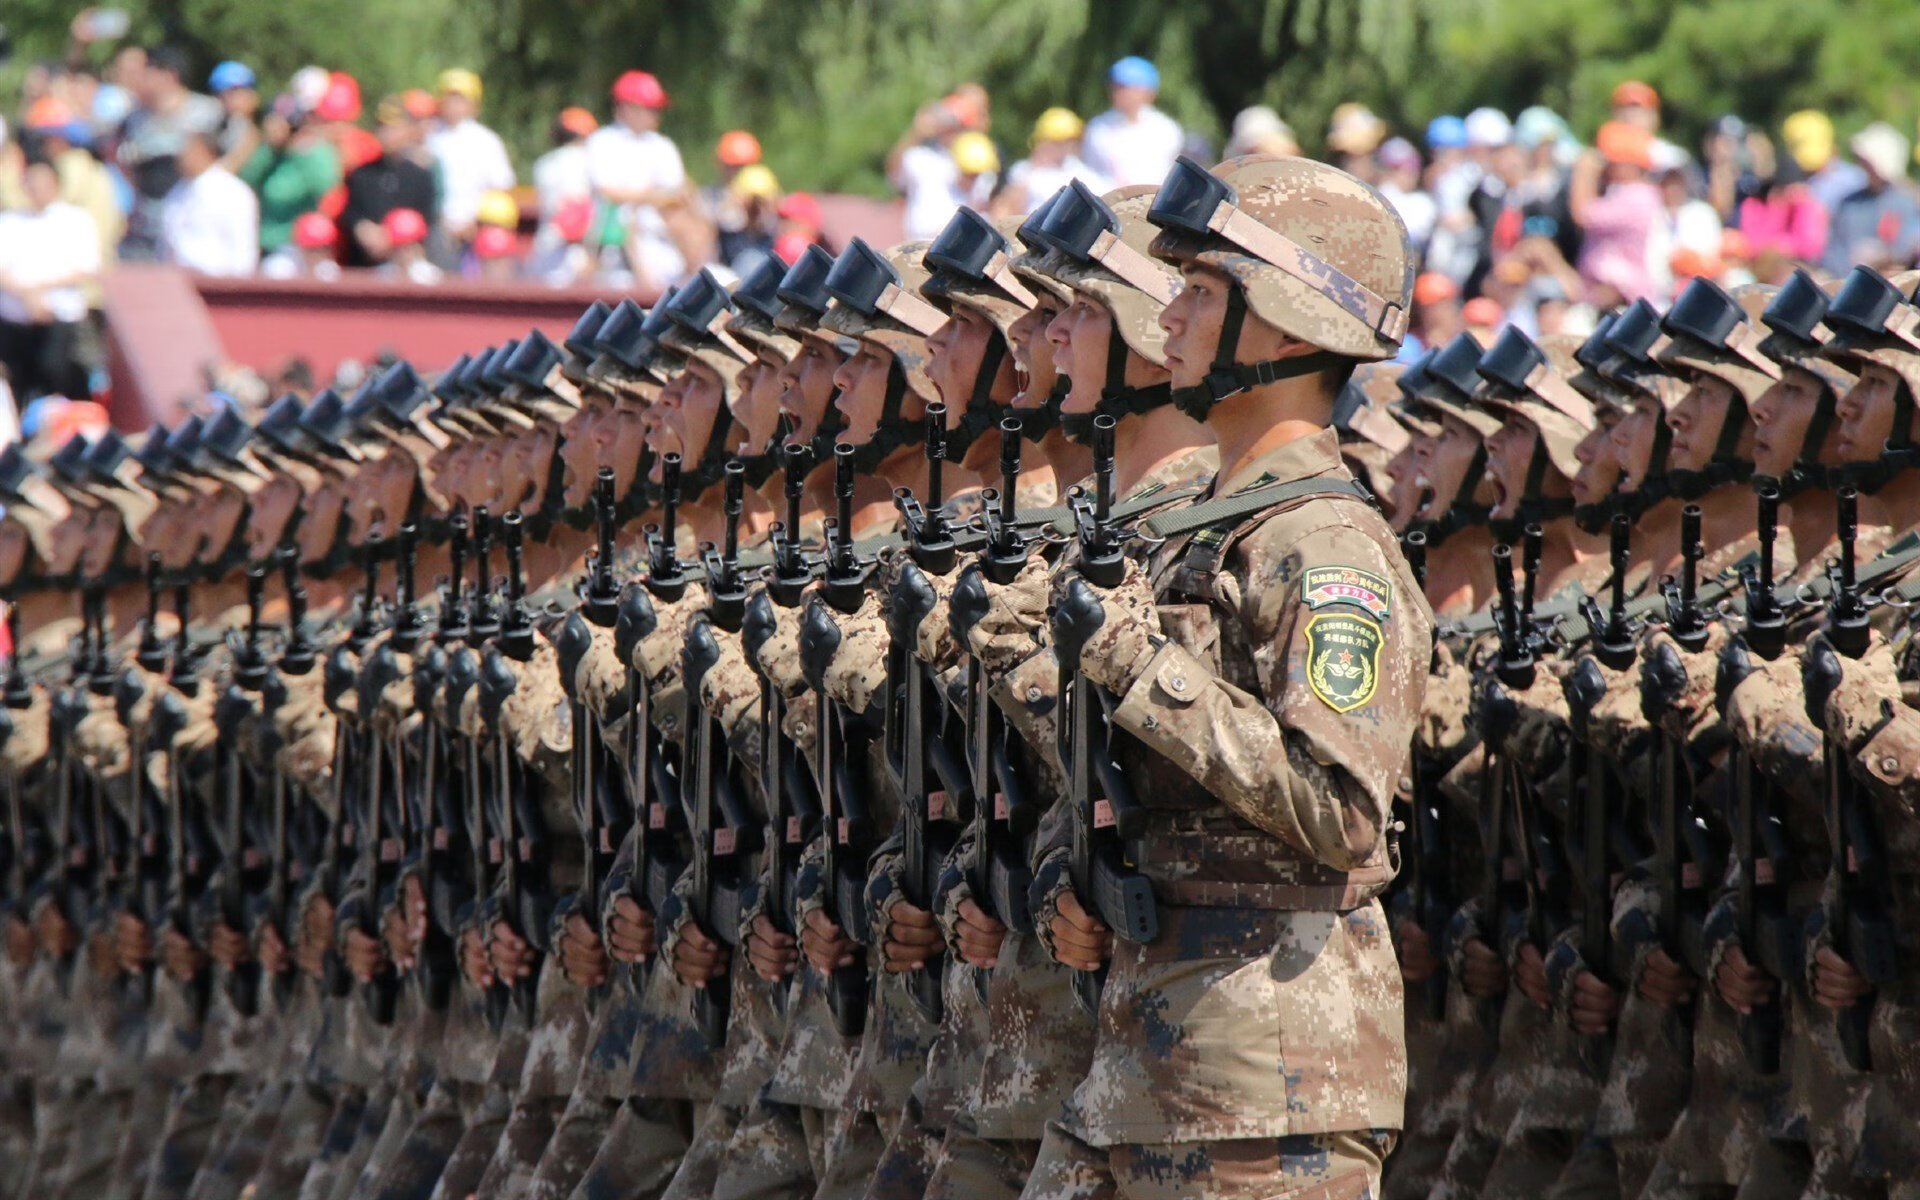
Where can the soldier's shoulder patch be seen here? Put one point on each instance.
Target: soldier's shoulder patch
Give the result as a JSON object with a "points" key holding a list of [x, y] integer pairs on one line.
{"points": [[1325, 585], [1343, 659]]}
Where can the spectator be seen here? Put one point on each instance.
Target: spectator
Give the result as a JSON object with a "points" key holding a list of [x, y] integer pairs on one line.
{"points": [[496, 250], [1353, 134], [118, 94], [636, 170], [392, 181], [166, 113], [1737, 159], [1259, 130], [1551, 149], [1435, 319], [1808, 135], [1618, 210], [1691, 225], [85, 181], [1399, 182], [313, 254], [1637, 104], [211, 221], [405, 232], [753, 200], [1052, 161], [1785, 216], [921, 165], [801, 225], [736, 150], [49, 252], [293, 169], [1132, 142], [234, 86], [1878, 225], [472, 158], [561, 175]]}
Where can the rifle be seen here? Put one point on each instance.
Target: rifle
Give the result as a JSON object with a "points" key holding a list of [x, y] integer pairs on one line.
{"points": [[1680, 839], [1547, 885], [1505, 898], [453, 603], [1429, 869], [250, 667], [378, 848], [485, 620], [847, 823], [919, 758], [596, 782], [1862, 930], [463, 674], [152, 654], [1770, 938], [497, 682], [184, 864], [298, 656], [1108, 820]]}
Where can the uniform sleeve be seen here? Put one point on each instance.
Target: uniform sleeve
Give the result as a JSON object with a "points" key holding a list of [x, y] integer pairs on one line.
{"points": [[1315, 760]]}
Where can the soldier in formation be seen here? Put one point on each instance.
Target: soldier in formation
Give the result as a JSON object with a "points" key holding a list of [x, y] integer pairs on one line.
{"points": [[1051, 711]]}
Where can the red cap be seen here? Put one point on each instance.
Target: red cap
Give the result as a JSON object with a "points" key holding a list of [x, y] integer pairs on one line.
{"points": [[788, 247], [737, 148], [315, 231], [639, 87], [494, 242], [1483, 312], [1634, 94], [1433, 287], [800, 208], [341, 101], [405, 226], [573, 218], [419, 103]]}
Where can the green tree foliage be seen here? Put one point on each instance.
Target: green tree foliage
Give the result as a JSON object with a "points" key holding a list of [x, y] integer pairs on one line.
{"points": [[828, 85]]}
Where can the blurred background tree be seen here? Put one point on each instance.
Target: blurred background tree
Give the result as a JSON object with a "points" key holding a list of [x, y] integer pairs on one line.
{"points": [[828, 85]]}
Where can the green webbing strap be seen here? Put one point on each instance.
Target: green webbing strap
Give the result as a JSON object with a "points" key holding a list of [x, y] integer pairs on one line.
{"points": [[1059, 518], [1242, 504]]}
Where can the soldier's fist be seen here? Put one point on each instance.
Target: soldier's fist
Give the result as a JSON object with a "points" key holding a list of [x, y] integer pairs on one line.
{"points": [[1665, 982], [58, 937], [630, 932], [913, 938], [271, 949], [473, 958], [1595, 1005], [182, 959], [1080, 939], [582, 958], [1741, 984], [365, 954], [697, 958], [227, 945], [827, 947], [404, 926], [1835, 983], [1485, 973], [773, 954], [1530, 972], [315, 935], [20, 944], [511, 956], [1417, 960], [980, 935], [134, 940]]}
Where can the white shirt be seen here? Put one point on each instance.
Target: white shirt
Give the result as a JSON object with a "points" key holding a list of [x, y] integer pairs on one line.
{"points": [[35, 248], [560, 175], [1138, 151], [211, 224], [621, 160], [1416, 209], [473, 161], [930, 181], [1041, 182]]}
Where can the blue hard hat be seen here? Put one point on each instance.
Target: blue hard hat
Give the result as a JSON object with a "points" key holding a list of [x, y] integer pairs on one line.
{"points": [[1446, 133], [1134, 71], [229, 75]]}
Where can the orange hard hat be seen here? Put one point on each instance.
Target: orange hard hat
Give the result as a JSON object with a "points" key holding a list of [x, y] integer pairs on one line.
{"points": [[1483, 312], [1635, 94], [1433, 288], [737, 148], [1621, 142], [578, 121]]}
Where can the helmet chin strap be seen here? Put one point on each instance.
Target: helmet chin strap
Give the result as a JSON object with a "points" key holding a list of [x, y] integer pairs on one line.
{"points": [[1037, 423], [1726, 466], [981, 412], [1463, 511], [1229, 378], [891, 433]]}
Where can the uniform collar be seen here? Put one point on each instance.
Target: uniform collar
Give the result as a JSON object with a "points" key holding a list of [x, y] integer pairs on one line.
{"points": [[1302, 458]]}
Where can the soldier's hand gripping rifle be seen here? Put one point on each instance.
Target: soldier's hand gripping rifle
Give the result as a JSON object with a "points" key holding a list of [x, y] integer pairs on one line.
{"points": [[1107, 819], [932, 783], [847, 826], [380, 846], [1685, 855], [237, 788], [1769, 938], [1858, 917], [1505, 887], [185, 865]]}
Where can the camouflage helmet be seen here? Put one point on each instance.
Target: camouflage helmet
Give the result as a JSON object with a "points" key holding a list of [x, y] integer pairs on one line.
{"points": [[1874, 319], [876, 298], [756, 300], [696, 327], [1318, 254], [1592, 356], [1446, 382], [1099, 247], [972, 265], [1717, 333], [1030, 259], [1797, 331], [1528, 379]]}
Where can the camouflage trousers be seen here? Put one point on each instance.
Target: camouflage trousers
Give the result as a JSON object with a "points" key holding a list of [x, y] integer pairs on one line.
{"points": [[1415, 1164], [412, 1151], [770, 1156], [699, 1168], [1607, 1169], [970, 1167], [644, 1144], [1527, 1165], [16, 1134], [528, 1129], [1322, 1166], [75, 1140], [357, 1120], [139, 1134], [577, 1138], [297, 1134], [906, 1164], [192, 1124], [483, 1114], [239, 1144], [855, 1142]]}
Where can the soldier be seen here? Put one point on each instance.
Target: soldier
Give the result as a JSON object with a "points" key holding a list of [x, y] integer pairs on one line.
{"points": [[1260, 339]]}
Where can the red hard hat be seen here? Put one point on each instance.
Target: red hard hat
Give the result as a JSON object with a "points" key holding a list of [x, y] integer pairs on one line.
{"points": [[314, 231], [641, 88], [573, 218], [800, 208], [737, 148], [494, 242], [788, 247], [341, 101], [405, 226]]}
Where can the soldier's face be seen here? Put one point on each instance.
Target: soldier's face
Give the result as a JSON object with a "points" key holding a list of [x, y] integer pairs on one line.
{"points": [[1193, 322], [1441, 465], [1633, 442], [1781, 415], [1510, 454], [321, 521], [380, 499], [1697, 422], [1403, 499], [702, 406], [1081, 336], [272, 506], [956, 352], [862, 381], [1865, 414], [806, 384], [1599, 468], [622, 434], [1032, 352], [103, 537], [580, 453]]}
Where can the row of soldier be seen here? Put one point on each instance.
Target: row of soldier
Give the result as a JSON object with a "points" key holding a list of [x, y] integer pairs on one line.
{"points": [[828, 799]]}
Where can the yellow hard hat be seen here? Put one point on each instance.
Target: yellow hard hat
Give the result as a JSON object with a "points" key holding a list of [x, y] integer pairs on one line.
{"points": [[974, 154], [459, 81], [1057, 125], [1809, 138], [755, 179], [498, 208]]}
